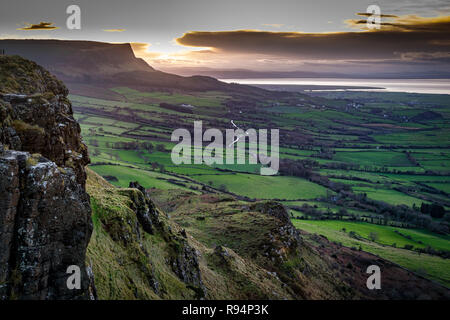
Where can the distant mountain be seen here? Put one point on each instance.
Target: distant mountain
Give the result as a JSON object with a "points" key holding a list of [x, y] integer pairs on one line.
{"points": [[76, 59], [250, 74], [253, 74], [81, 64]]}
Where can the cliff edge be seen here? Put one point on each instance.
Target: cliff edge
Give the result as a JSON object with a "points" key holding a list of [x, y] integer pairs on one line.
{"points": [[45, 215]]}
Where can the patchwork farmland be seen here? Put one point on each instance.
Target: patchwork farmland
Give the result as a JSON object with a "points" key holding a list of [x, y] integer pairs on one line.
{"points": [[380, 170]]}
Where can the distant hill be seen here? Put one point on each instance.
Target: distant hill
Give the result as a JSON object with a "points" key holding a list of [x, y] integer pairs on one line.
{"points": [[88, 63]]}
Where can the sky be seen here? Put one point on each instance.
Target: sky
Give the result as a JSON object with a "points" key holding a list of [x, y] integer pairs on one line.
{"points": [[258, 35]]}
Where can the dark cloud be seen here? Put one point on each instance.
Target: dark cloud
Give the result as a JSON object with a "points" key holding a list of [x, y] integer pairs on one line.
{"points": [[438, 25], [39, 26], [402, 35], [364, 14]]}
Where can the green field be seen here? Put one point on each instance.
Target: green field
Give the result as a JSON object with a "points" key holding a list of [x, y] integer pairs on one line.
{"points": [[388, 195], [148, 179], [434, 267], [379, 158], [441, 186], [387, 234], [266, 187]]}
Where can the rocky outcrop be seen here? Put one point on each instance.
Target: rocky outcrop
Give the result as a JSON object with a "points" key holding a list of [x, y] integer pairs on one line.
{"points": [[186, 266], [145, 209], [184, 258], [285, 239], [36, 116], [45, 222]]}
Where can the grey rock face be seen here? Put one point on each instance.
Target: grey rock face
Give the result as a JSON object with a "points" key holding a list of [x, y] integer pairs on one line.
{"points": [[186, 267], [144, 208], [184, 260], [45, 227], [45, 215], [46, 126]]}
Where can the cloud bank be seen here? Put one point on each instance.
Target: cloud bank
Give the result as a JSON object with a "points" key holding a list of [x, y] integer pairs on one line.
{"points": [[39, 26], [403, 44], [403, 35]]}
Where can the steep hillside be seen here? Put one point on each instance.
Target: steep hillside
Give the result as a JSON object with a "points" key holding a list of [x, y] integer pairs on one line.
{"points": [[215, 247], [132, 261], [135, 252]]}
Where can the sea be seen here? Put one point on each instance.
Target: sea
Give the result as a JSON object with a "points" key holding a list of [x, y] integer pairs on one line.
{"points": [[434, 86]]}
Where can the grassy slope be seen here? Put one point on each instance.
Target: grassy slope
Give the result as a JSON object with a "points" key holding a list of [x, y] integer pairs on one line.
{"points": [[123, 271], [433, 267]]}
